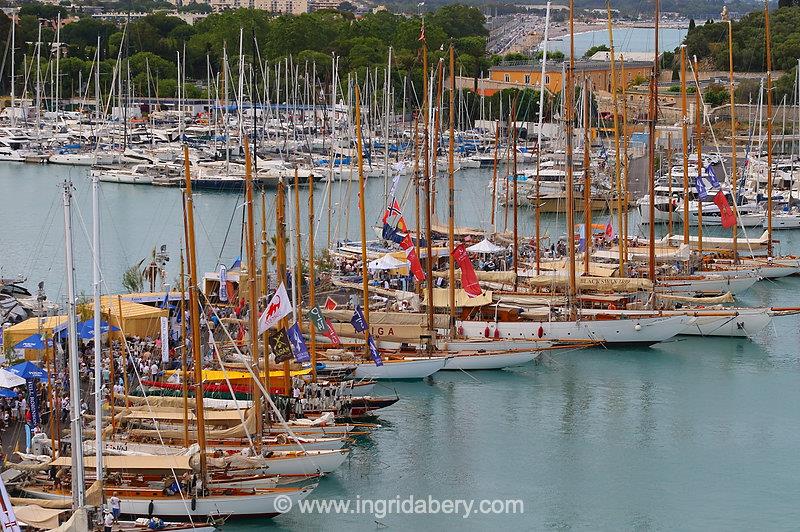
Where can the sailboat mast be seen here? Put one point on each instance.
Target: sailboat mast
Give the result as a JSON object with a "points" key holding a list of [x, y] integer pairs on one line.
{"points": [[769, 131], [569, 96], [617, 165], [362, 218], [98, 344], [194, 305], [734, 170], [76, 427], [515, 199], [312, 277], [698, 117], [265, 281], [651, 159], [587, 182], [252, 286], [493, 206], [685, 141], [184, 380], [451, 197], [542, 89]]}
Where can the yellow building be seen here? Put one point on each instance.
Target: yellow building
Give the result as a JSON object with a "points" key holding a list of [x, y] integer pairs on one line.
{"points": [[511, 74]]}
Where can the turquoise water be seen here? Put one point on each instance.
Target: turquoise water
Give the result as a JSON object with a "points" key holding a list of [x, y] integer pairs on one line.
{"points": [[690, 434], [625, 40]]}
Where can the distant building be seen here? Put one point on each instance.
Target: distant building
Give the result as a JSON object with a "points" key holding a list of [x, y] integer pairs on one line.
{"points": [[515, 74], [316, 5], [623, 56], [289, 7]]}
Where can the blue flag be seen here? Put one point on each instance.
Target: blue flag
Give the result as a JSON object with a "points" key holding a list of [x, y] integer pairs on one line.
{"points": [[298, 344], [33, 401], [237, 263], [712, 176], [373, 351], [358, 320], [702, 194]]}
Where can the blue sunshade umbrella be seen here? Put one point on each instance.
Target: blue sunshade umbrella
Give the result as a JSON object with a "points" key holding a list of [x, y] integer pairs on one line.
{"points": [[86, 329], [28, 370], [34, 341], [5, 392]]}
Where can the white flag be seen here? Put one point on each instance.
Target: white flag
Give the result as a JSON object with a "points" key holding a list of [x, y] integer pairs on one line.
{"points": [[279, 306]]}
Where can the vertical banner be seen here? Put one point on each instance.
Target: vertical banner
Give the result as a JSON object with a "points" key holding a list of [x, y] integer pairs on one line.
{"points": [[164, 339], [358, 320], [331, 333], [298, 344], [316, 318], [469, 281], [33, 402], [373, 351], [223, 283]]}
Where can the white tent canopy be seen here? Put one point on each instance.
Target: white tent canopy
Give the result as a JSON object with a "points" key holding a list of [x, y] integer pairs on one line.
{"points": [[9, 380], [484, 246], [387, 262]]}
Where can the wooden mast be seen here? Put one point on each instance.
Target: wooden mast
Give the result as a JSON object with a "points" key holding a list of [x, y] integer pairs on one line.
{"points": [[669, 176], [429, 245], [587, 182], [515, 200], [184, 381], [685, 141], [264, 284], [280, 260], [194, 305], [417, 220], [734, 170], [569, 95], [252, 286], [363, 219], [312, 276], [451, 198], [769, 132], [617, 166], [623, 237], [494, 173], [698, 117], [651, 160]]}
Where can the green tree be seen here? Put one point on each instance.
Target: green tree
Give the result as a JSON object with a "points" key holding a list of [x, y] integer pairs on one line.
{"points": [[594, 49], [716, 95]]}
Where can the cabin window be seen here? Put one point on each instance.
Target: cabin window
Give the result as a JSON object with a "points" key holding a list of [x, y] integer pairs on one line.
{"points": [[506, 78]]}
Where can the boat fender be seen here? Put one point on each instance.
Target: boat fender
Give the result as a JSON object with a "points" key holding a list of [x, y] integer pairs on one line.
{"points": [[540, 332], [150, 508], [486, 332], [194, 502], [461, 330], [637, 327], [496, 333]]}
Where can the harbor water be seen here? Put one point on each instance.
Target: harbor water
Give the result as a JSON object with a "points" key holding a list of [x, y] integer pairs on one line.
{"points": [[625, 40], [694, 433]]}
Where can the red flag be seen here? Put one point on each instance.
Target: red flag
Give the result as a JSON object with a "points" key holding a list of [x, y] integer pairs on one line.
{"points": [[469, 281], [331, 333], [728, 217], [330, 304], [411, 254], [416, 266], [422, 32], [406, 242]]}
